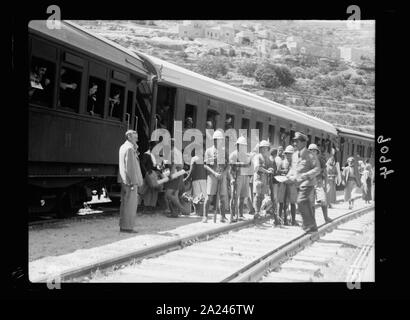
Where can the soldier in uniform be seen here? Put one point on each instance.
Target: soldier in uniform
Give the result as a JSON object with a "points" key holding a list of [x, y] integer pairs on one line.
{"points": [[305, 167], [239, 162], [263, 167], [321, 182], [217, 176], [287, 192]]}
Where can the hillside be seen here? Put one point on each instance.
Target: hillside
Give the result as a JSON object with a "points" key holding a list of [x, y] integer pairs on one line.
{"points": [[334, 90]]}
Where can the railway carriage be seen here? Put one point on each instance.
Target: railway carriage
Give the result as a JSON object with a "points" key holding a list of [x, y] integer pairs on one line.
{"points": [[355, 143], [73, 150]]}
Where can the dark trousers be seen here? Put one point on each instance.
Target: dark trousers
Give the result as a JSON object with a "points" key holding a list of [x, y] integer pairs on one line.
{"points": [[305, 206]]}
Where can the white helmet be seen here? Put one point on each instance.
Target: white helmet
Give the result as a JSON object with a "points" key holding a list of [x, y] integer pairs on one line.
{"points": [[312, 146], [264, 143], [218, 135], [242, 140], [289, 149]]}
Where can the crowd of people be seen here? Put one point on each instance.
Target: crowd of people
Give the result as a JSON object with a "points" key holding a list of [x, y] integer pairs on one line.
{"points": [[267, 180]]}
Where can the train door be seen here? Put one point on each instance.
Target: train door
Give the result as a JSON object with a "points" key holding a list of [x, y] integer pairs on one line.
{"points": [[166, 108]]}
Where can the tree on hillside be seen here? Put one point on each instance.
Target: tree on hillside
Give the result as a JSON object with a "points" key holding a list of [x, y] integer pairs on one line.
{"points": [[247, 68], [305, 92], [213, 66], [273, 76]]}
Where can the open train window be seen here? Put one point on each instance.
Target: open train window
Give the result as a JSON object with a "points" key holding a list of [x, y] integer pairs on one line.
{"points": [[283, 137], [96, 96], [317, 141], [211, 119], [272, 134], [229, 122], [259, 126], [323, 146], [309, 139], [190, 116], [69, 89], [353, 150], [42, 81], [130, 100], [116, 101]]}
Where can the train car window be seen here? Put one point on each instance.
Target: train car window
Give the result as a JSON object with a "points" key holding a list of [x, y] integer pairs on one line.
{"points": [[190, 116], [352, 149], [272, 134], [309, 139], [211, 119], [323, 146], [69, 90], [116, 101], [130, 100], [259, 126], [229, 122], [42, 81], [329, 146], [283, 136], [317, 141], [96, 96]]}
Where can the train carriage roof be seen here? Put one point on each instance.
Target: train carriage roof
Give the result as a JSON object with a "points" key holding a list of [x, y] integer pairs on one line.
{"points": [[354, 134], [73, 35], [175, 75], [179, 76]]}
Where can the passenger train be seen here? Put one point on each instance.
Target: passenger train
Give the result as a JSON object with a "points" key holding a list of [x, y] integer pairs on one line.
{"points": [[90, 90]]}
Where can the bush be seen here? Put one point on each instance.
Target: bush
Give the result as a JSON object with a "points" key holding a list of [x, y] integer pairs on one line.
{"points": [[357, 80], [360, 72], [298, 72], [273, 76], [247, 68], [336, 93], [213, 66]]}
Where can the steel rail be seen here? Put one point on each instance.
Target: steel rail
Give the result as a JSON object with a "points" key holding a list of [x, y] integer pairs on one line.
{"points": [[257, 268], [150, 251], [155, 250]]}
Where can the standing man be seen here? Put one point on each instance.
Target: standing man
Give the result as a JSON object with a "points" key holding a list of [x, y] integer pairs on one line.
{"points": [[217, 177], [321, 182], [239, 162], [130, 178], [305, 168], [287, 192], [263, 168]]}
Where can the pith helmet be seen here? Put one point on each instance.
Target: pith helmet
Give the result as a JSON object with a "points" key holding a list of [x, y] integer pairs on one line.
{"points": [[242, 140], [218, 135], [264, 143], [289, 149], [312, 146]]}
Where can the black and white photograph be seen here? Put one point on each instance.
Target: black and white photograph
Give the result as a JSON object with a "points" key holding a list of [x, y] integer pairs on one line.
{"points": [[201, 151]]}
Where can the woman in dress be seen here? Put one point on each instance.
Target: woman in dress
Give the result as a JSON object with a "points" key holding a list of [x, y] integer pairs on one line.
{"points": [[367, 183], [331, 171], [350, 180]]}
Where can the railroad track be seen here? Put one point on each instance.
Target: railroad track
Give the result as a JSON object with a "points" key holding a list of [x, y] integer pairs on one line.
{"points": [[242, 255], [243, 244]]}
